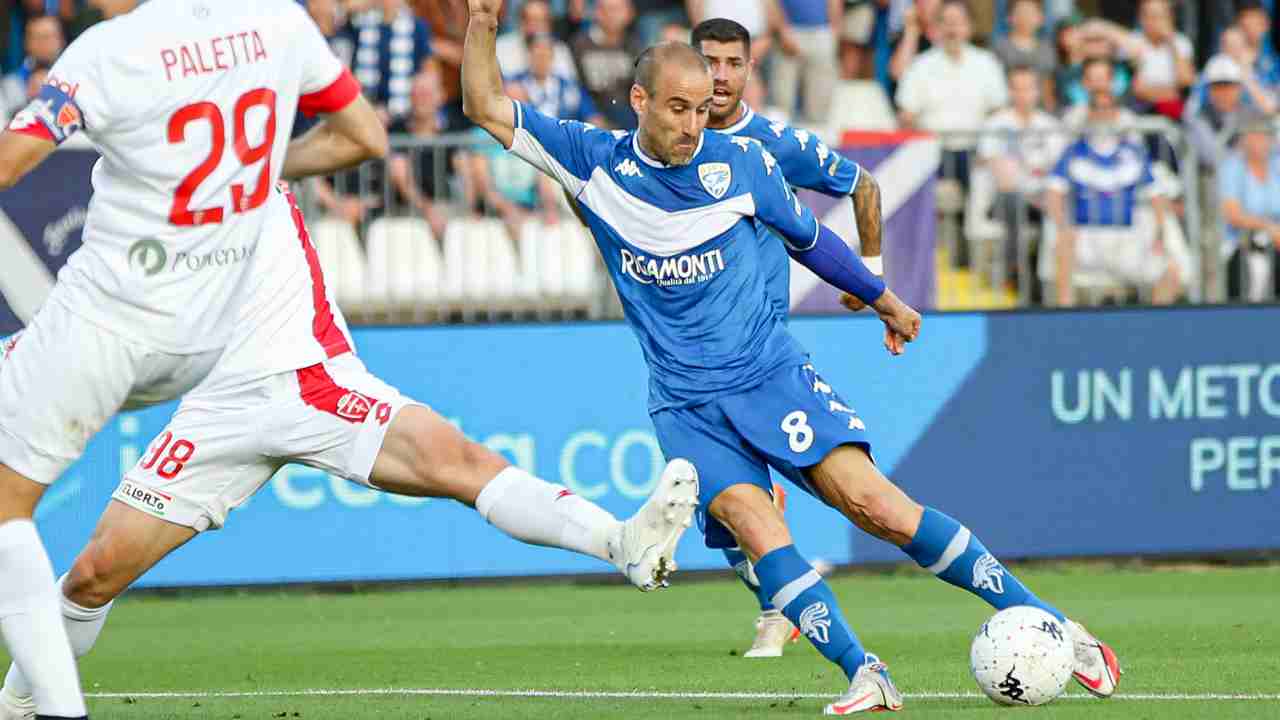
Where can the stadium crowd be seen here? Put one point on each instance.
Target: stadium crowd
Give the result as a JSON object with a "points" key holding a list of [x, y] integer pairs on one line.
{"points": [[1047, 112]]}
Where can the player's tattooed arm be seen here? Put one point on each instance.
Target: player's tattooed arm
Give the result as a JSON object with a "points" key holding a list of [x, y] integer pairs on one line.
{"points": [[866, 213], [483, 101]]}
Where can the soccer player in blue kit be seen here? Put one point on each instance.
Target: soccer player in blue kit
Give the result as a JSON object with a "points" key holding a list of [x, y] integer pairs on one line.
{"points": [[673, 209], [807, 163]]}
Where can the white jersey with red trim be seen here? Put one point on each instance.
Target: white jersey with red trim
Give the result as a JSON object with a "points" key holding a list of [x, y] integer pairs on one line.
{"points": [[286, 317], [191, 104]]}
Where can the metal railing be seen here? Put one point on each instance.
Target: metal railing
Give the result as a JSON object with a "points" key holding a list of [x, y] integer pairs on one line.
{"points": [[453, 229]]}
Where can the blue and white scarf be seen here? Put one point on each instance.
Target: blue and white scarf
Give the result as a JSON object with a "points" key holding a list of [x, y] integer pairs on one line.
{"points": [[394, 41]]}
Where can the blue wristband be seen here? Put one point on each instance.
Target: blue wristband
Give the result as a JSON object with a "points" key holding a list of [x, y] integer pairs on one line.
{"points": [[833, 261]]}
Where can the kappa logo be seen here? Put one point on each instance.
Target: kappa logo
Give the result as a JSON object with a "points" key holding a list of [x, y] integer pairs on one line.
{"points": [[770, 162], [988, 574], [815, 622], [803, 137], [628, 168], [743, 143], [716, 178], [824, 152], [354, 406], [777, 128]]}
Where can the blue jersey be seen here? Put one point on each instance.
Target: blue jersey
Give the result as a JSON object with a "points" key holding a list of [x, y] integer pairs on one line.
{"points": [[680, 244], [1102, 187], [807, 163]]}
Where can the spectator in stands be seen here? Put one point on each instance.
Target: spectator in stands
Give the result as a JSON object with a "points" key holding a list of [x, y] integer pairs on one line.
{"points": [[1249, 190], [1161, 56], [1219, 115], [330, 17], [512, 47], [606, 55], [1019, 147], [498, 181], [420, 176], [762, 18], [1094, 196], [1254, 21], [1257, 94], [1023, 46], [392, 44], [675, 32], [952, 87], [652, 16], [44, 43], [921, 31], [448, 22], [1088, 41], [554, 95], [811, 23]]}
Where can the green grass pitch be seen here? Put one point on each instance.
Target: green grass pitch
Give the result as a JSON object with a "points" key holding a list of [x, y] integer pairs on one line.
{"points": [[1181, 635]]}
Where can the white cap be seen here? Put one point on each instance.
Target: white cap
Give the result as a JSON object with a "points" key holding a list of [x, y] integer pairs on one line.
{"points": [[1222, 69]]}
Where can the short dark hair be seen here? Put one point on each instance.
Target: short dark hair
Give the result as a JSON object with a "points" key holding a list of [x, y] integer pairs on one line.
{"points": [[1090, 62], [1243, 6], [1017, 68], [656, 56], [721, 30]]}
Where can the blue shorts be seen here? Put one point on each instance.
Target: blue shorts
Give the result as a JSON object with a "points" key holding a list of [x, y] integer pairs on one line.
{"points": [[790, 422]]}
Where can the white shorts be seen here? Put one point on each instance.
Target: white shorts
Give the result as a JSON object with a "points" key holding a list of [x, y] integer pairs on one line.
{"points": [[63, 378], [222, 446], [1127, 253]]}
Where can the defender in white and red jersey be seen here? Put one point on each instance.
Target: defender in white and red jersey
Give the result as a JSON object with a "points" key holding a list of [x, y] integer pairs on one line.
{"points": [[286, 386], [191, 103]]}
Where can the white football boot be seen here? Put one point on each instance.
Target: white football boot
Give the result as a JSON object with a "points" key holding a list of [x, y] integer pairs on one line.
{"points": [[773, 632], [1097, 667], [645, 546], [871, 690], [13, 707]]}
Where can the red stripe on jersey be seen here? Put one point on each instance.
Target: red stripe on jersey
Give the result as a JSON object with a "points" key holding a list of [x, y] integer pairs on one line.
{"points": [[323, 327], [338, 95], [320, 392]]}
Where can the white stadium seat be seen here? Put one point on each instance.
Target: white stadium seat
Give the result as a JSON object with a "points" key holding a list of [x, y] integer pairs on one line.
{"points": [[341, 259], [404, 267]]}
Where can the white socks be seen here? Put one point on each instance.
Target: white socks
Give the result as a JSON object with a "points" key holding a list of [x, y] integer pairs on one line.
{"points": [[539, 513], [31, 622], [83, 627]]}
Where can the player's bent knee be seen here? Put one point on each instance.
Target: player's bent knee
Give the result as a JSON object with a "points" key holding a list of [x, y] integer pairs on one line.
{"points": [[92, 582]]}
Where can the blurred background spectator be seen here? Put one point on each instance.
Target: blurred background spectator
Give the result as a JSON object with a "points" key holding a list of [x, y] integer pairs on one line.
{"points": [[762, 18], [512, 47], [952, 87], [1024, 46], [1249, 190], [392, 44], [556, 95], [1095, 195], [605, 54], [1254, 20], [420, 174], [43, 42], [1217, 115], [1019, 147], [812, 68]]}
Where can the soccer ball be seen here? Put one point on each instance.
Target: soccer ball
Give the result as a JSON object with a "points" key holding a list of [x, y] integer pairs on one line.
{"points": [[1022, 656]]}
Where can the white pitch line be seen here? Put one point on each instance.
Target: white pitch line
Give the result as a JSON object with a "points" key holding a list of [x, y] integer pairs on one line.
{"points": [[624, 695]]}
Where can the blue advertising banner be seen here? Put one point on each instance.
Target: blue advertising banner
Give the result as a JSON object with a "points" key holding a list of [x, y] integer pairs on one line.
{"points": [[1049, 434]]}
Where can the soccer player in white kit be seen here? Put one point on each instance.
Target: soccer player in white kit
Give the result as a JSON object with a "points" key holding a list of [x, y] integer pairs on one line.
{"points": [[196, 271]]}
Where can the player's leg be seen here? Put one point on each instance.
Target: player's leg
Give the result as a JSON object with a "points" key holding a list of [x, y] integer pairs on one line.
{"points": [[387, 441], [773, 629], [51, 403], [125, 544], [848, 480]]}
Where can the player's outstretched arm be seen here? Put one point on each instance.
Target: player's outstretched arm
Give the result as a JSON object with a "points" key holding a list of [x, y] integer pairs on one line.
{"points": [[870, 222], [482, 98], [20, 153], [343, 139]]}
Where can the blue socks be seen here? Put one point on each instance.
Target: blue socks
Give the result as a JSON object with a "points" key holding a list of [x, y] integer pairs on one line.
{"points": [[795, 588], [742, 565], [947, 549]]}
